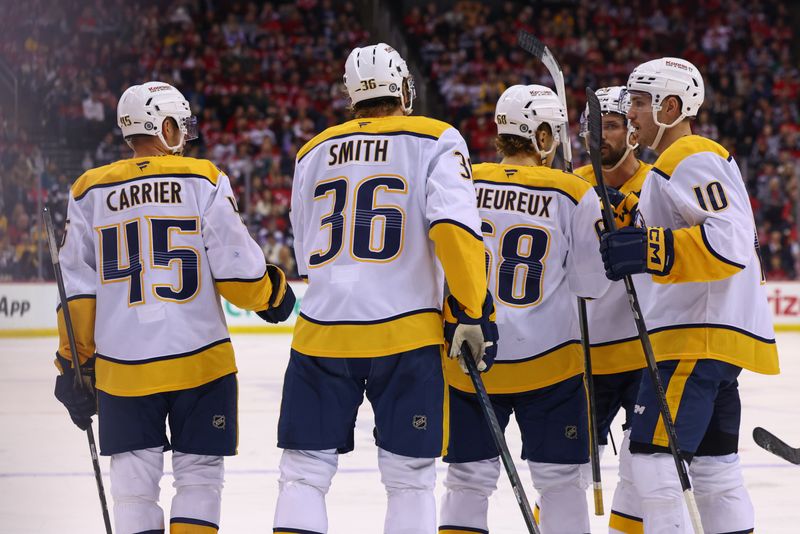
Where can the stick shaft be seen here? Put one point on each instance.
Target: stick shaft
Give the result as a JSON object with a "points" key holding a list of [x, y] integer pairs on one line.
{"points": [[594, 452], [78, 384], [499, 440]]}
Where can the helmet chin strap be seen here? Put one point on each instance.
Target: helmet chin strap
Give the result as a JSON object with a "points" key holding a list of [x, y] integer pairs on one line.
{"points": [[663, 127], [618, 163], [628, 149], [176, 148], [544, 154]]}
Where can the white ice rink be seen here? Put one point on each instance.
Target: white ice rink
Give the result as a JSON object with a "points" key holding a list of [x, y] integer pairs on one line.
{"points": [[47, 486]]}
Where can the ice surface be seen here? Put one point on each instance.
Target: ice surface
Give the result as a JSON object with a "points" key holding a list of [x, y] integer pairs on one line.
{"points": [[47, 486]]}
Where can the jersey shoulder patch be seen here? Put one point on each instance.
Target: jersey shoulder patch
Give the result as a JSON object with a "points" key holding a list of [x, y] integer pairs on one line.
{"points": [[413, 125], [681, 149], [129, 170]]}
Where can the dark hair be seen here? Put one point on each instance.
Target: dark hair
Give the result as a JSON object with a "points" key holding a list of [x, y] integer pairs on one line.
{"points": [[511, 145], [376, 107]]}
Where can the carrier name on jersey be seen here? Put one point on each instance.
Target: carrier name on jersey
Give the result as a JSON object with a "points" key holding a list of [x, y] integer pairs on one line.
{"points": [[508, 200], [158, 192], [358, 150]]}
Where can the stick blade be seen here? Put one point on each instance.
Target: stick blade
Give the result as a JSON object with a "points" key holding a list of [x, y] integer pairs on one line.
{"points": [[530, 44], [595, 122], [769, 442]]}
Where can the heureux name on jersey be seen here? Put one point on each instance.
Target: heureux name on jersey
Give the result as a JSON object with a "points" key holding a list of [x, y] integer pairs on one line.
{"points": [[509, 200], [160, 192], [361, 150]]}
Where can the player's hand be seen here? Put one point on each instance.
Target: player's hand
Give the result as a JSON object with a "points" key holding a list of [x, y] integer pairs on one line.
{"points": [[479, 334], [80, 403], [282, 299], [633, 250], [625, 207]]}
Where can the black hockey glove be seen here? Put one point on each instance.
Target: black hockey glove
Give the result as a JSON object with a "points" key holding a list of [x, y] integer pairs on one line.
{"points": [[282, 299], [480, 334], [633, 250], [80, 403]]}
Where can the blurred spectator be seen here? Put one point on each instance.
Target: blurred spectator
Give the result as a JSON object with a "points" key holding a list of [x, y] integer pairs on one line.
{"points": [[265, 77]]}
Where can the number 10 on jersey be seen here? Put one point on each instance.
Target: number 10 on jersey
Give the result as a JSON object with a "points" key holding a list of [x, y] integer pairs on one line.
{"points": [[376, 230]]}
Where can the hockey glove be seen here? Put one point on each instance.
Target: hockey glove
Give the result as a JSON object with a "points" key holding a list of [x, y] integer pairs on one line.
{"points": [[634, 250], [480, 334], [81, 403], [282, 299], [625, 207]]}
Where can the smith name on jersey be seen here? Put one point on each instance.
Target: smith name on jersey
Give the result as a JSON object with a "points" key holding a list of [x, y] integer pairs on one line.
{"points": [[541, 251], [713, 302], [382, 210], [151, 244], [612, 330]]}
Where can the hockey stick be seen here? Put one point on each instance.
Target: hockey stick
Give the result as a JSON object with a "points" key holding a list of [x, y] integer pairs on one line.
{"points": [[594, 451], [595, 128], [535, 47], [76, 365], [499, 439], [770, 442]]}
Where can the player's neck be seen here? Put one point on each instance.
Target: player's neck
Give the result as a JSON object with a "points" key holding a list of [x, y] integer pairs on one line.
{"points": [[673, 134], [521, 160], [396, 113], [623, 173], [150, 148]]}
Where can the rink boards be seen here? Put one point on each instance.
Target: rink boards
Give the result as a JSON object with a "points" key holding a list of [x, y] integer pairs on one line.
{"points": [[28, 309]]}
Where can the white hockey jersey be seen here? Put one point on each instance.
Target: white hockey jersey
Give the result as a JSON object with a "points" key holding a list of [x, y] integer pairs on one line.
{"points": [[542, 251], [613, 336], [151, 243], [383, 209], [713, 302]]}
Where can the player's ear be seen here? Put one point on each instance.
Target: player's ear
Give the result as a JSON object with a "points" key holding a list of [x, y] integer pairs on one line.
{"points": [[672, 105]]}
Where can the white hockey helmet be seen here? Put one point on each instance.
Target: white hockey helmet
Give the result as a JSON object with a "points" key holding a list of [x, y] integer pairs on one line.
{"points": [[669, 76], [143, 108], [614, 99], [378, 71], [521, 109]]}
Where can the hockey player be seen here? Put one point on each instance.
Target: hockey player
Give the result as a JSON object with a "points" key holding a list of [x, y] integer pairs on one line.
{"points": [[539, 232], [151, 244], [704, 303], [381, 205], [617, 358]]}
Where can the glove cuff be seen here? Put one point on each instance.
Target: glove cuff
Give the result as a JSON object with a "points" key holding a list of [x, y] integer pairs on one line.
{"points": [[660, 250], [278, 281]]}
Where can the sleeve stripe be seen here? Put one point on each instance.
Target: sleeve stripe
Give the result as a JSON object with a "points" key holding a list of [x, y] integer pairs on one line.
{"points": [[245, 280], [76, 297], [661, 173], [715, 253], [374, 321], [166, 357], [459, 225]]}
